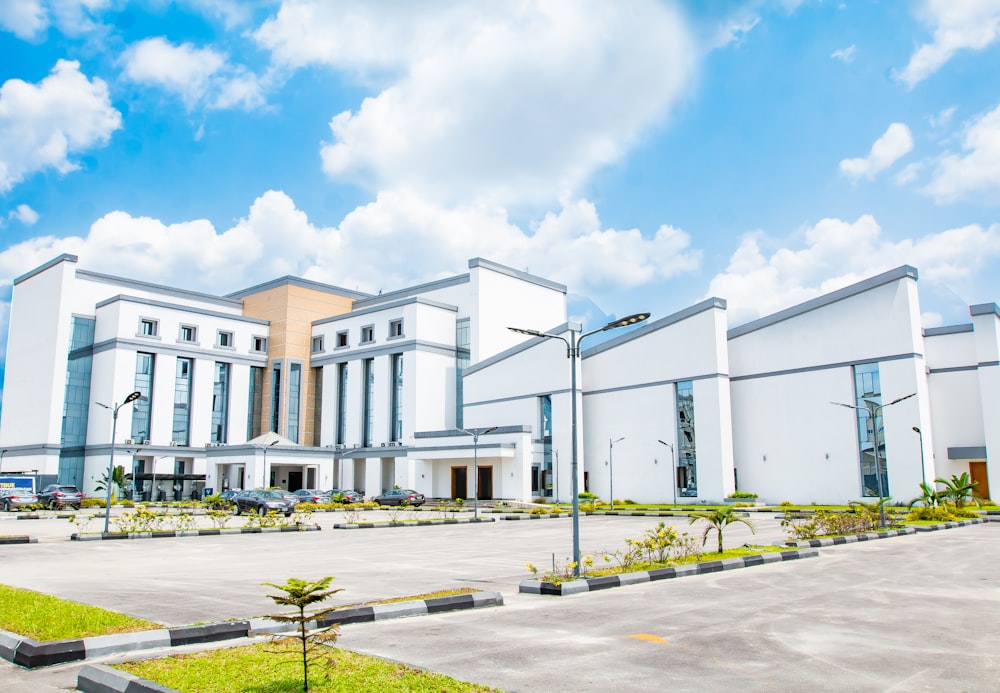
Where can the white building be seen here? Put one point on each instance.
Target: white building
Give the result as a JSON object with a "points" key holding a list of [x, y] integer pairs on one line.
{"points": [[295, 384]]}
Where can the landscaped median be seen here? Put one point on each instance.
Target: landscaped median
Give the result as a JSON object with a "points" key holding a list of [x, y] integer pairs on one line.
{"points": [[170, 533], [411, 523], [591, 584]]}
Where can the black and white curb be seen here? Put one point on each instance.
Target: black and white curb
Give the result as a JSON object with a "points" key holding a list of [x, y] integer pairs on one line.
{"points": [[31, 654], [539, 516], [950, 525], [18, 539], [850, 538], [609, 581], [166, 534], [415, 523]]}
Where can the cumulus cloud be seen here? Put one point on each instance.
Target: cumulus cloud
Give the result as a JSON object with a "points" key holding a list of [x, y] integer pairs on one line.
{"points": [[199, 76], [26, 19], [894, 143], [966, 25], [837, 253], [977, 170], [494, 103], [24, 214], [844, 54], [42, 124], [29, 19]]}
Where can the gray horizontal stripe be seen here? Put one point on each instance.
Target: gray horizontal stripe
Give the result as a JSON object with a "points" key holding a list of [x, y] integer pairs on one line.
{"points": [[825, 366], [387, 306], [953, 369], [182, 308], [372, 352], [160, 348], [514, 398], [658, 383], [950, 329], [973, 452], [157, 288], [987, 364]]}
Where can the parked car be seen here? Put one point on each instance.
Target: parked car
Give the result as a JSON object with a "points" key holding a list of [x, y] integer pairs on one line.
{"points": [[309, 495], [55, 496], [16, 498], [262, 502], [397, 495], [230, 495], [349, 495]]}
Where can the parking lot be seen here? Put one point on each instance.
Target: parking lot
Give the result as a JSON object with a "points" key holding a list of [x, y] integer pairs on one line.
{"points": [[908, 613]]}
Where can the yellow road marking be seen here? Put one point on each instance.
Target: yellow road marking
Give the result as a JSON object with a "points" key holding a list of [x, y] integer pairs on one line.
{"points": [[647, 637]]}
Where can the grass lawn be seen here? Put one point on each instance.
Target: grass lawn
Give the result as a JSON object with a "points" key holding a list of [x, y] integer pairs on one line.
{"points": [[640, 566], [274, 668], [44, 617], [428, 595]]}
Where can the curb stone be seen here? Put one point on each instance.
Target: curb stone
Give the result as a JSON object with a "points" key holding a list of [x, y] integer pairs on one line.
{"points": [[952, 525], [172, 534], [18, 539], [609, 581], [849, 539], [417, 523]]}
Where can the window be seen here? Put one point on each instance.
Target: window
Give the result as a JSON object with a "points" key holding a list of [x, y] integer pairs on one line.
{"points": [[395, 328], [342, 339], [226, 339], [317, 345], [341, 403], [294, 400], [182, 402], [396, 399], [461, 363], [687, 457], [545, 429], [367, 334], [256, 408], [275, 398], [317, 405], [76, 404], [259, 344], [367, 400], [141, 408], [220, 404], [871, 431], [148, 327]]}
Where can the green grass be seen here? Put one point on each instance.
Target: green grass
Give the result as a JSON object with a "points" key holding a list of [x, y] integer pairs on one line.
{"points": [[694, 558], [44, 617], [258, 669], [427, 595]]}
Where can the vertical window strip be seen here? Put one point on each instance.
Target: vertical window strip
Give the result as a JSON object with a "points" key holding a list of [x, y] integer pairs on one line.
{"points": [[341, 404], [142, 407], [220, 404], [181, 433], [276, 399], [256, 408], [687, 456], [871, 432], [294, 401]]}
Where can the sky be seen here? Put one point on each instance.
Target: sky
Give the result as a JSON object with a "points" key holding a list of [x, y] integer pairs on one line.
{"points": [[647, 154]]}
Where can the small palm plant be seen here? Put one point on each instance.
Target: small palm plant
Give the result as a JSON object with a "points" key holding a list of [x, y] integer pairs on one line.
{"points": [[718, 520], [301, 594], [929, 498], [959, 489]]}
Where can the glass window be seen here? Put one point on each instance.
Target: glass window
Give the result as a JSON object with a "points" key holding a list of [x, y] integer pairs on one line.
{"points": [[142, 407], [294, 400], [367, 400], [396, 328], [148, 327], [182, 402], [276, 398], [189, 333], [871, 433], [317, 344], [342, 339], [396, 404], [317, 403], [76, 404], [259, 344], [545, 428], [687, 456], [220, 404], [225, 339], [256, 409], [461, 363], [367, 334], [341, 404]]}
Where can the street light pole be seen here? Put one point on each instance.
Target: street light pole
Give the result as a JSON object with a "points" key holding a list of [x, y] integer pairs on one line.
{"points": [[111, 462], [611, 468], [874, 410], [573, 353], [673, 472], [265, 470], [475, 433], [923, 471]]}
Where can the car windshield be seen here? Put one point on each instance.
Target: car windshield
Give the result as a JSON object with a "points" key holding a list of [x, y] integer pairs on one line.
{"points": [[271, 494]]}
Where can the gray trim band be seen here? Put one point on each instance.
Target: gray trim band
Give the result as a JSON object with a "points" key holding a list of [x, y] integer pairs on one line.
{"points": [[902, 272], [972, 452], [65, 257], [988, 364], [949, 329], [455, 433], [158, 288], [529, 343], [300, 282], [161, 348], [387, 306], [658, 383], [643, 330], [412, 291], [373, 352], [984, 309], [516, 274], [825, 366], [514, 398], [952, 369], [239, 317]]}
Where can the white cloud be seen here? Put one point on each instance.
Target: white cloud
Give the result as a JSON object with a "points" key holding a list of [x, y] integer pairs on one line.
{"points": [[29, 19], [199, 76], [977, 171], [930, 318], [956, 25], [894, 143], [26, 19], [24, 214], [844, 54], [943, 118], [493, 103], [41, 125], [757, 283]]}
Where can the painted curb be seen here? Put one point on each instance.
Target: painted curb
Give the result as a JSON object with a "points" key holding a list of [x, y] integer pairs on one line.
{"points": [[849, 539], [173, 534], [951, 525], [417, 523], [98, 678], [609, 581], [32, 654], [18, 539]]}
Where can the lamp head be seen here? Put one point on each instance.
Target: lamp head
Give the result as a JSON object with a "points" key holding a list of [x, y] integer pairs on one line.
{"points": [[626, 321], [520, 330], [132, 397]]}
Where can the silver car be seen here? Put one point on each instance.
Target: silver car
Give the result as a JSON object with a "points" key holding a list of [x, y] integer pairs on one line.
{"points": [[11, 498]]}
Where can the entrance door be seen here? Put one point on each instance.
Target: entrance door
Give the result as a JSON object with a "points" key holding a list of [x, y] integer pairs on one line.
{"points": [[484, 490], [977, 470], [294, 480], [459, 482]]}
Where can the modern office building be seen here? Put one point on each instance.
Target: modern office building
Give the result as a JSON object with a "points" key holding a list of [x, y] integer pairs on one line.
{"points": [[298, 384]]}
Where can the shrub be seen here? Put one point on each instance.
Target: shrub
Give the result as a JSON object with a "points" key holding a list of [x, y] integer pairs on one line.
{"points": [[539, 511], [938, 514], [587, 495], [742, 494]]}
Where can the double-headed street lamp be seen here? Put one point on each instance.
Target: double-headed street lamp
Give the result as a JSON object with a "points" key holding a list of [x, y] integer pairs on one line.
{"points": [[475, 433], [611, 467], [923, 472], [673, 471], [573, 353], [874, 410], [111, 462]]}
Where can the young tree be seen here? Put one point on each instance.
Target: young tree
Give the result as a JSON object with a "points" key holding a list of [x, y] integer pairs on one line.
{"points": [[718, 520], [959, 488], [302, 594]]}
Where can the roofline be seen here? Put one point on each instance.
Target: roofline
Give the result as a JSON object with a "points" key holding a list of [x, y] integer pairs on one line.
{"points": [[984, 309], [901, 272], [412, 291], [239, 317], [529, 343], [643, 330], [159, 288], [517, 274], [65, 257], [388, 306], [947, 329], [300, 282]]}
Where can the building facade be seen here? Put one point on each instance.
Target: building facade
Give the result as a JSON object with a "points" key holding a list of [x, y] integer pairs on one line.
{"points": [[297, 384]]}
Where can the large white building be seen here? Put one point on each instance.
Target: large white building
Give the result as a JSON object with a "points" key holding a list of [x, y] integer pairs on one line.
{"points": [[297, 384]]}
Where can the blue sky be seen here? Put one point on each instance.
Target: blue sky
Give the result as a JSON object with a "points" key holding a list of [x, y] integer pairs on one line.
{"points": [[647, 154]]}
